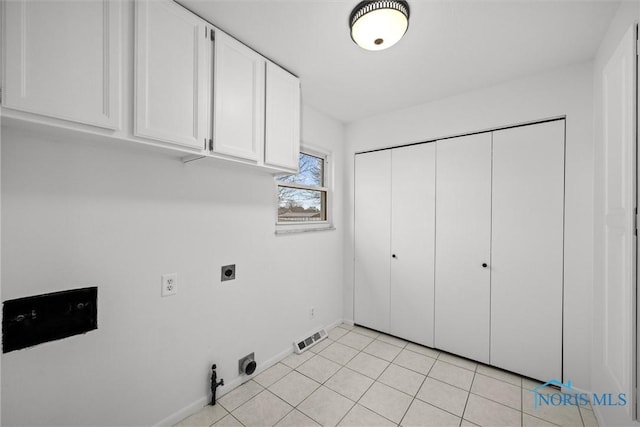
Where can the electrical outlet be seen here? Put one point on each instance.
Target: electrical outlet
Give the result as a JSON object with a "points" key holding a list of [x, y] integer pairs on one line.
{"points": [[312, 313], [169, 284], [228, 272]]}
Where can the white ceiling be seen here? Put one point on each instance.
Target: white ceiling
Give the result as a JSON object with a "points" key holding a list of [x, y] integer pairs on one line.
{"points": [[451, 46]]}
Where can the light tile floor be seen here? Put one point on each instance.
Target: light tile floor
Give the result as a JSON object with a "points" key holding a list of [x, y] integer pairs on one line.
{"points": [[359, 377]]}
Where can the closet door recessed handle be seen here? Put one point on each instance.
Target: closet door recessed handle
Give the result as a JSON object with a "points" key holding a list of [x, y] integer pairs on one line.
{"points": [[484, 265], [394, 256]]}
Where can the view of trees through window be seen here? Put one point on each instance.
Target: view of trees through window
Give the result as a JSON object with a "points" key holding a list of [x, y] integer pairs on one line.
{"points": [[302, 197]]}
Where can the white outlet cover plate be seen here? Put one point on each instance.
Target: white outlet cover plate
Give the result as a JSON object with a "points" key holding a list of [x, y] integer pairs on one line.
{"points": [[169, 284]]}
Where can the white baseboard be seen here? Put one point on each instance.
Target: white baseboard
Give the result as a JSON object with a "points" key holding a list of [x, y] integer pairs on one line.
{"points": [[334, 324], [348, 322], [196, 406], [183, 413]]}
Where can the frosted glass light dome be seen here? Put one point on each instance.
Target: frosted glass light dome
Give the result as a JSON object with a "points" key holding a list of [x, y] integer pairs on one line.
{"points": [[378, 25]]}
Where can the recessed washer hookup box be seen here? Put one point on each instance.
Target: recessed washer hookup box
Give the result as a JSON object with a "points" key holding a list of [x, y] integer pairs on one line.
{"points": [[38, 319]]}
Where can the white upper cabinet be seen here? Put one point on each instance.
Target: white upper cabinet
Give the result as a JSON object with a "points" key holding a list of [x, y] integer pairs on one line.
{"points": [[239, 90], [282, 127], [62, 60], [172, 74], [188, 87]]}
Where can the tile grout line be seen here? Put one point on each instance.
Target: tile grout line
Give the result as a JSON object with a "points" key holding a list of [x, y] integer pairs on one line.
{"points": [[419, 388], [347, 413], [323, 385], [336, 391], [581, 417], [313, 379], [375, 380], [263, 390], [501, 380], [494, 401], [446, 383], [335, 361], [542, 419], [246, 382], [464, 411], [539, 417], [427, 376], [397, 389], [278, 397], [438, 407], [355, 348], [372, 384], [424, 380], [363, 394], [306, 376], [231, 415], [446, 353]]}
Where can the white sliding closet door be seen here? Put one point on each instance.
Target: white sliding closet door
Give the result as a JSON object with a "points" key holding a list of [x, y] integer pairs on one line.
{"points": [[463, 237], [372, 239], [412, 242], [527, 250]]}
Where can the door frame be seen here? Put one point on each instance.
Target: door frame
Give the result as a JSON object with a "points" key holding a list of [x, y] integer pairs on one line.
{"points": [[636, 325]]}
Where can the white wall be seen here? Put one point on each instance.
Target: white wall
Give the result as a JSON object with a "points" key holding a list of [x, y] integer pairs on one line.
{"points": [[627, 14], [76, 215], [0, 262], [567, 91]]}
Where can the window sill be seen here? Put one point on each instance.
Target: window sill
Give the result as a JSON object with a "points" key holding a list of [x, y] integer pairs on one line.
{"points": [[306, 228]]}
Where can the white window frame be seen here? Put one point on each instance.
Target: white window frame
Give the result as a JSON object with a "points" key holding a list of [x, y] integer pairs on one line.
{"points": [[327, 224]]}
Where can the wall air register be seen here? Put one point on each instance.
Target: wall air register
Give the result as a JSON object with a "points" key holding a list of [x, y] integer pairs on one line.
{"points": [[308, 342]]}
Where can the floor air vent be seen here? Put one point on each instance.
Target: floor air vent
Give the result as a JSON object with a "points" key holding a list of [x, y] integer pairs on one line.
{"points": [[306, 343]]}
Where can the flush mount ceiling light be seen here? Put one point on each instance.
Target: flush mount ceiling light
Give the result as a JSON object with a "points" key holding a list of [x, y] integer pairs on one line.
{"points": [[377, 25]]}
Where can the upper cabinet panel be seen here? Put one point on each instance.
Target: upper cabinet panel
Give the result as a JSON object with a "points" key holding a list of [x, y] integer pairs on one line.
{"points": [[62, 60], [147, 71], [239, 75], [172, 75], [282, 137]]}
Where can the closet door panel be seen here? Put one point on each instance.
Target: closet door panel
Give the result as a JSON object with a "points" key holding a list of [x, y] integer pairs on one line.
{"points": [[372, 239], [463, 237], [412, 241], [527, 250]]}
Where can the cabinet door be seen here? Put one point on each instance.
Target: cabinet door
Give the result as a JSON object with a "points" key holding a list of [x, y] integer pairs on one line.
{"points": [[413, 200], [527, 250], [239, 99], [62, 59], [463, 237], [282, 127], [173, 51], [372, 239]]}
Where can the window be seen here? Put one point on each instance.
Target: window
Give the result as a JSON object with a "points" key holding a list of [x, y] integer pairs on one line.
{"points": [[303, 198]]}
